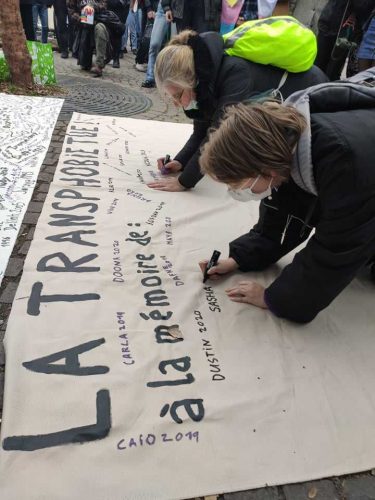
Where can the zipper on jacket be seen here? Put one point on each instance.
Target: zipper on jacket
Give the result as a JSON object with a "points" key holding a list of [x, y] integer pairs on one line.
{"points": [[288, 220]]}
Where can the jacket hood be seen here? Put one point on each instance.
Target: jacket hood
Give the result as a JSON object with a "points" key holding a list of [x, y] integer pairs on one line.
{"points": [[208, 50], [354, 93], [215, 44]]}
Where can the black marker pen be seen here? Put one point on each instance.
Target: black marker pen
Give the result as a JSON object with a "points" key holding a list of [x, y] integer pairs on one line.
{"points": [[165, 170], [213, 261]]}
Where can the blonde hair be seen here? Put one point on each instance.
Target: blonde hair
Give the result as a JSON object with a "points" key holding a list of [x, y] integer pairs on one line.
{"points": [[175, 63], [252, 140]]}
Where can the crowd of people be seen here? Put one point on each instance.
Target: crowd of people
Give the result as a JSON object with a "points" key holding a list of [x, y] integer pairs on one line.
{"points": [[344, 28], [308, 160]]}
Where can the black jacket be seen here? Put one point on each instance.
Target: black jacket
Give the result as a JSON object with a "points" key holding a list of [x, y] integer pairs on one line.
{"points": [[335, 10], [119, 7], [151, 5], [212, 11], [335, 195], [227, 80]]}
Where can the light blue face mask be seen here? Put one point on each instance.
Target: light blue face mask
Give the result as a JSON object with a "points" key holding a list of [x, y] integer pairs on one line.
{"points": [[193, 104]]}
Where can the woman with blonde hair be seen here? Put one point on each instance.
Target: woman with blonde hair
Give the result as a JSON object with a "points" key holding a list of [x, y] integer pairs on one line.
{"points": [[195, 72], [312, 166]]}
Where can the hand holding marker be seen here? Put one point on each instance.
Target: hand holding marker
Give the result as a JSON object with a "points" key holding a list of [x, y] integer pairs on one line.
{"points": [[212, 262], [165, 170]]}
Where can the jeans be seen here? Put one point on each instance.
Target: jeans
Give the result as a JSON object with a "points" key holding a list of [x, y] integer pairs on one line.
{"points": [[159, 32], [134, 27], [41, 11]]}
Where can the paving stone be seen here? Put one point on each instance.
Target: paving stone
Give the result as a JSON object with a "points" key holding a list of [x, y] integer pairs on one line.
{"points": [[25, 248], [8, 294], [35, 206], [43, 188], [2, 354], [314, 490], [45, 176], [22, 231], [51, 170], [30, 234], [259, 494], [1, 389], [14, 267], [3, 323], [40, 196], [49, 160], [359, 488], [31, 218]]}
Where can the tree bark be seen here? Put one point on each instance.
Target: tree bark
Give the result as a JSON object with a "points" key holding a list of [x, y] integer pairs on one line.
{"points": [[14, 44]]}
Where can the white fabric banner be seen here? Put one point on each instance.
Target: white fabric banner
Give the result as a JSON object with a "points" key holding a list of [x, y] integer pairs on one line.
{"points": [[103, 400], [26, 126]]}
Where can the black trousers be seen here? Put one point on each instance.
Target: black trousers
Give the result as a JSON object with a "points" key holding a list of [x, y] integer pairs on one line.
{"points": [[193, 17], [27, 21], [332, 67], [61, 25], [116, 40]]}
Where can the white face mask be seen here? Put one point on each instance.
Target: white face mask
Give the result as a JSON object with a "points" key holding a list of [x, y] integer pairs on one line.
{"points": [[247, 194], [193, 104]]}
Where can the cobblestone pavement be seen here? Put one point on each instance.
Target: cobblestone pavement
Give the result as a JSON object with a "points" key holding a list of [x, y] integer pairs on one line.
{"points": [[352, 487]]}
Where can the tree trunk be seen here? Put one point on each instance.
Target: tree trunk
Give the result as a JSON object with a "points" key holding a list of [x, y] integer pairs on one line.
{"points": [[14, 44]]}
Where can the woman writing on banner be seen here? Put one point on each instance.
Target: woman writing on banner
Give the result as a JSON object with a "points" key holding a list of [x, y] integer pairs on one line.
{"points": [[196, 73], [311, 168]]}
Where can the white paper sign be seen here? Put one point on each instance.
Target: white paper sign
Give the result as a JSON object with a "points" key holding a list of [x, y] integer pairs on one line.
{"points": [[26, 126]]}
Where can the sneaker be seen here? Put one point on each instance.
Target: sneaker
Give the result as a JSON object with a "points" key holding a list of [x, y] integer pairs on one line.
{"points": [[148, 84], [116, 63], [134, 51], [141, 67], [64, 54]]}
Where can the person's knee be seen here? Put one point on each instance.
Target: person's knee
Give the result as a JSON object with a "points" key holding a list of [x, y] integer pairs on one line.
{"points": [[99, 28], [101, 31], [155, 46]]}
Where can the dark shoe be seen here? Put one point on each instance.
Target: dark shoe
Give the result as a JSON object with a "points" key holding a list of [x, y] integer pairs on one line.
{"points": [[121, 54], [96, 71], [134, 51], [64, 54], [148, 84], [116, 63]]}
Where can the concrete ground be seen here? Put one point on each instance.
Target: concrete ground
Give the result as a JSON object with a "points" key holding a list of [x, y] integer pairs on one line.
{"points": [[352, 487]]}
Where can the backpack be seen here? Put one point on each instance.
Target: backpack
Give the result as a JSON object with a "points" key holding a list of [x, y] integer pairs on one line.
{"points": [[281, 41]]}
